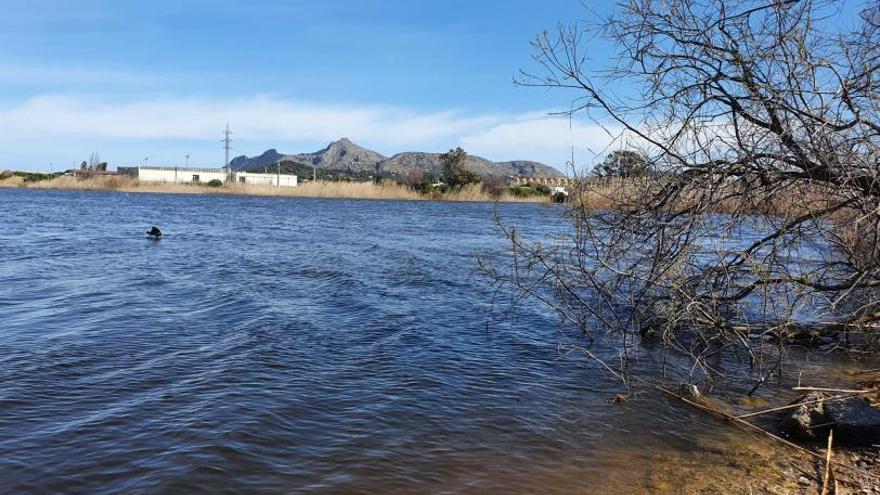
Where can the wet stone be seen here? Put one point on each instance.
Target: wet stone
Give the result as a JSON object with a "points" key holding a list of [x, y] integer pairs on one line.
{"points": [[690, 391], [805, 422], [854, 420]]}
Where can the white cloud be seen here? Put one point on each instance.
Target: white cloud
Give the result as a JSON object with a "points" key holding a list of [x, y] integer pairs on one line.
{"points": [[264, 119], [260, 117], [543, 138], [75, 75]]}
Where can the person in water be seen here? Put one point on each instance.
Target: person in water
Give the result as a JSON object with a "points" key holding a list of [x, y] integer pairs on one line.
{"points": [[154, 232]]}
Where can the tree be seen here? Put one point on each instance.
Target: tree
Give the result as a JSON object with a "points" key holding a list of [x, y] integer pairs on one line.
{"points": [[94, 161], [494, 185], [623, 163], [456, 173], [94, 164], [764, 117]]}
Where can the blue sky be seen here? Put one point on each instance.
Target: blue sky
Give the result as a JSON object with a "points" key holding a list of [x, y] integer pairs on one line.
{"points": [[132, 79]]}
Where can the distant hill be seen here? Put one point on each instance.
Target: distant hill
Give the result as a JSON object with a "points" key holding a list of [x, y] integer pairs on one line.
{"points": [[269, 157], [346, 156], [343, 155], [403, 163]]}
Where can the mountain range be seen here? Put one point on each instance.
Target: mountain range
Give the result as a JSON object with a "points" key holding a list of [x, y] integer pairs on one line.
{"points": [[344, 155]]}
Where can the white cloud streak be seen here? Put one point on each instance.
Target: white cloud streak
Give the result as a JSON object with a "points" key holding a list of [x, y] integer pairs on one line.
{"points": [[75, 75], [390, 129]]}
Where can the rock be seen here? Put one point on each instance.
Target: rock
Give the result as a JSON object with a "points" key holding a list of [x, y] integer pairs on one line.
{"points": [[854, 421], [805, 421], [690, 391], [344, 155]]}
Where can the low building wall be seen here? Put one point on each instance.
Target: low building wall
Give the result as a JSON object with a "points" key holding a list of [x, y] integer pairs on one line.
{"points": [[189, 175], [280, 180], [180, 174]]}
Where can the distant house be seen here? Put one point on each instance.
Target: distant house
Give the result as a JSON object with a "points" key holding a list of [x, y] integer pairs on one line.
{"points": [[521, 180], [195, 175], [280, 180]]}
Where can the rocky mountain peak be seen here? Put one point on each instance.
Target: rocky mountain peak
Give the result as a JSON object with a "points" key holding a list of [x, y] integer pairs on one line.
{"points": [[345, 155]]}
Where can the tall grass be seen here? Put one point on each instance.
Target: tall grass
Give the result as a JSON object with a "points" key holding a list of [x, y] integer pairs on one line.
{"points": [[13, 181], [786, 201], [319, 189]]}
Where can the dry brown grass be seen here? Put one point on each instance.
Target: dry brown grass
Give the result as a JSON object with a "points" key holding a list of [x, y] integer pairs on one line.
{"points": [[787, 202], [607, 194], [12, 182], [339, 190]]}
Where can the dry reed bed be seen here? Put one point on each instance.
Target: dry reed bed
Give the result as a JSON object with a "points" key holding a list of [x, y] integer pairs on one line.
{"points": [[13, 182], [786, 202], [607, 194], [337, 190]]}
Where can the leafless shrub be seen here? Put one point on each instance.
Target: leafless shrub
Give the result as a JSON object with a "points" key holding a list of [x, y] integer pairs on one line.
{"points": [[413, 178], [494, 185], [740, 108]]}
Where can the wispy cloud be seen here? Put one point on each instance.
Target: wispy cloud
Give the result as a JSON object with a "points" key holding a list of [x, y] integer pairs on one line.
{"points": [[553, 138], [268, 119], [68, 75]]}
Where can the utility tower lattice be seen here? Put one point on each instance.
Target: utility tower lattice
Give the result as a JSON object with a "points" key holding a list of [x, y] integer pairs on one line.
{"points": [[227, 139]]}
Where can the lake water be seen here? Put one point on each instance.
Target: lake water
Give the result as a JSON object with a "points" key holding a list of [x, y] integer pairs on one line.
{"points": [[270, 345]]}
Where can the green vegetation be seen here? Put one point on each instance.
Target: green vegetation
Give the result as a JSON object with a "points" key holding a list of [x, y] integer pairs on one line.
{"points": [[529, 190], [214, 183], [456, 173], [623, 163], [426, 186]]}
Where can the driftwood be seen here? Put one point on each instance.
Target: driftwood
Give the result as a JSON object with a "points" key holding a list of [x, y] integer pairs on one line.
{"points": [[833, 390], [753, 427], [862, 372], [741, 422], [794, 406]]}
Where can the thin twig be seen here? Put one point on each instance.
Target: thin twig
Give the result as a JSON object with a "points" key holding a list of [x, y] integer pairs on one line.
{"points": [[798, 404], [834, 390], [764, 379], [757, 428], [861, 372], [827, 464]]}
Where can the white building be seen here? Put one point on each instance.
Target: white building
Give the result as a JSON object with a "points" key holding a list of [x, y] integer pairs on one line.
{"points": [[190, 175], [279, 180]]}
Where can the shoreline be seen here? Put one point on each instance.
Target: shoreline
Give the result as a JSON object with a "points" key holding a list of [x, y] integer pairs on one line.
{"points": [[321, 190]]}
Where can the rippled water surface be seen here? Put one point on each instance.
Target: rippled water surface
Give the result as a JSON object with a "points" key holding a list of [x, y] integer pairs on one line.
{"points": [[292, 346]]}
